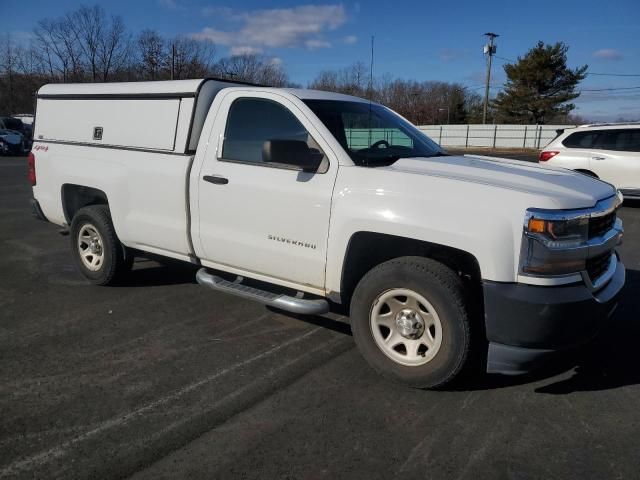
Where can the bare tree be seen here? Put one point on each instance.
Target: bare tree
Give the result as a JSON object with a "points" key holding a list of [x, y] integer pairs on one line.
{"points": [[88, 45], [20, 77], [86, 27], [152, 55], [420, 102], [253, 69], [103, 41], [352, 80], [114, 48], [326, 80], [8, 65], [190, 58], [83, 44], [57, 49]]}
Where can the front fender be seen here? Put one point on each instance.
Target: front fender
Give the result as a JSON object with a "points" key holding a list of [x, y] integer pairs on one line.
{"points": [[482, 220]]}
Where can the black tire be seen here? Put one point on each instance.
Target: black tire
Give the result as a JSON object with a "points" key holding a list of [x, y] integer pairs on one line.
{"points": [[444, 290], [116, 259]]}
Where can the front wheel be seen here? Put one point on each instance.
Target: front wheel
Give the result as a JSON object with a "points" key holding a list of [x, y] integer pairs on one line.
{"points": [[411, 323], [95, 247]]}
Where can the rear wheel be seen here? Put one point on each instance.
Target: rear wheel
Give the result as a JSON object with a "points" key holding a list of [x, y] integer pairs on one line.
{"points": [[95, 247], [411, 323]]}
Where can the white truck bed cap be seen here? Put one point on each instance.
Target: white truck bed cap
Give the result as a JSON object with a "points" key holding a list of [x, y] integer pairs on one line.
{"points": [[187, 88], [163, 116]]}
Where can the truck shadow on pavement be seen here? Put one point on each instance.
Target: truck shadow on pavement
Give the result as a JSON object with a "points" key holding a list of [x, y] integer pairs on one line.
{"points": [[610, 361], [340, 326], [156, 272]]}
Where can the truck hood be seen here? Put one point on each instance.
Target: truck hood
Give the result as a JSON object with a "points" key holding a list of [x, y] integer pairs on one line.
{"points": [[566, 188]]}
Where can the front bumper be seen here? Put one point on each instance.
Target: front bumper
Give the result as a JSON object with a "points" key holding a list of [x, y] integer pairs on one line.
{"points": [[527, 324]]}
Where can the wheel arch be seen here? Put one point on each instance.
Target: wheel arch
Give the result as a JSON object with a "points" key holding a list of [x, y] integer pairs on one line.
{"points": [[367, 249], [75, 197], [586, 171]]}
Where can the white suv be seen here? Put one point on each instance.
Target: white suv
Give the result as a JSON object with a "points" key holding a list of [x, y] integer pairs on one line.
{"points": [[610, 152]]}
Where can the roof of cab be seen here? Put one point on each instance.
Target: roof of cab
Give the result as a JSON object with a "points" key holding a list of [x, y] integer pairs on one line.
{"points": [[305, 94]]}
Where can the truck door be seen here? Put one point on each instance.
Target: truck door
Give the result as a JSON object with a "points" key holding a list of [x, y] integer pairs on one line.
{"points": [[264, 219]]}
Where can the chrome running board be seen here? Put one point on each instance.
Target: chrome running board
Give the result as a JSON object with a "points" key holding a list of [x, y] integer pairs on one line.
{"points": [[277, 300]]}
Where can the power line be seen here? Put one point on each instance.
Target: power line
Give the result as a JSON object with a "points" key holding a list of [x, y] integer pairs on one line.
{"points": [[478, 87], [615, 74], [608, 89], [587, 73]]}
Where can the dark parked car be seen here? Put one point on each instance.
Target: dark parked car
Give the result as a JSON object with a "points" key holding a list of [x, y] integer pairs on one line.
{"points": [[11, 142], [16, 125]]}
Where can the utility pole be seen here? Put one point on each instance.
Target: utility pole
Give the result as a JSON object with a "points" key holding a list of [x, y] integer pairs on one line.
{"points": [[371, 70], [490, 50], [448, 114], [173, 59]]}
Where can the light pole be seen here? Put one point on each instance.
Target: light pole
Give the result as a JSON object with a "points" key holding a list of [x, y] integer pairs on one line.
{"points": [[490, 50], [448, 112]]}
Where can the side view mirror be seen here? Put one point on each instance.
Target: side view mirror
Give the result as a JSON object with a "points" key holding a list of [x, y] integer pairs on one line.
{"points": [[291, 152]]}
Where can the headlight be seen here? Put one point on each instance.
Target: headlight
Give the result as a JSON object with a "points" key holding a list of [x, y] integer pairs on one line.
{"points": [[559, 242], [552, 243], [556, 233]]}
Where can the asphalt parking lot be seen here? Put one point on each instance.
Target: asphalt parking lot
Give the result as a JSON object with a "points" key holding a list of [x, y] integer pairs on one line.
{"points": [[160, 378]]}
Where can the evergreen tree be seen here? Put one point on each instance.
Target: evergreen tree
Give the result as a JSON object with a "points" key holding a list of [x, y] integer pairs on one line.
{"points": [[539, 86]]}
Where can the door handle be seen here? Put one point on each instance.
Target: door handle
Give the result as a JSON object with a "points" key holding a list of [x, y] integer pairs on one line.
{"points": [[215, 179], [598, 158]]}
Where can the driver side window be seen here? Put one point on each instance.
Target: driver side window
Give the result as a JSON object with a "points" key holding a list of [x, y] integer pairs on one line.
{"points": [[252, 122]]}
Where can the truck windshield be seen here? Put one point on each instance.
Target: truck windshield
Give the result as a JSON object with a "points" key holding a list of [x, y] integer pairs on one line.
{"points": [[372, 135]]}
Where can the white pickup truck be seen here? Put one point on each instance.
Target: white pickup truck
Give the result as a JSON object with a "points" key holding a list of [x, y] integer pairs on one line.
{"points": [[307, 200]]}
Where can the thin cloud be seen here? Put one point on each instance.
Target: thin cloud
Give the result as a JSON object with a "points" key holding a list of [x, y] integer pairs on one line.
{"points": [[314, 43], [608, 54], [169, 4], [350, 40], [450, 54], [245, 50], [226, 13], [301, 26], [20, 37]]}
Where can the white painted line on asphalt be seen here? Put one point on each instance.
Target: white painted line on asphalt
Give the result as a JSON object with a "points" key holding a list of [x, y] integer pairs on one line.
{"points": [[60, 450], [242, 390]]}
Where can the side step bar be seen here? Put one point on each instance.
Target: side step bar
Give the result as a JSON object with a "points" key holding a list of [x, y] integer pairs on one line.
{"points": [[277, 300]]}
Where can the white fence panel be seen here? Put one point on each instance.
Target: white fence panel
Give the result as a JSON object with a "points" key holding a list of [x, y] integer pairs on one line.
{"points": [[496, 136]]}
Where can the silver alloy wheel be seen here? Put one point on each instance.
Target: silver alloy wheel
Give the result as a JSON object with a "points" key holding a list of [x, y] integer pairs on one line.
{"points": [[90, 247], [406, 327]]}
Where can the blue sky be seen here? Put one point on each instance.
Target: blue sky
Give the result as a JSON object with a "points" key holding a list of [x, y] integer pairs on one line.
{"points": [[420, 40]]}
